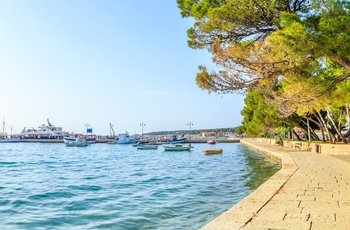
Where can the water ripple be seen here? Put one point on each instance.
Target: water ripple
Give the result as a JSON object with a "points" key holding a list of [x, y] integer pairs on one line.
{"points": [[49, 186]]}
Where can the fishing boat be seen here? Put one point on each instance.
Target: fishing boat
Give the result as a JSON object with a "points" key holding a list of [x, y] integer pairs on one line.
{"points": [[211, 142], [122, 138], [79, 141], [175, 140], [4, 138], [125, 138], [177, 147], [212, 151]]}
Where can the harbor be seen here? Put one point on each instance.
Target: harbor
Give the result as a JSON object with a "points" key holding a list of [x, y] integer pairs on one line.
{"points": [[117, 186], [103, 141]]}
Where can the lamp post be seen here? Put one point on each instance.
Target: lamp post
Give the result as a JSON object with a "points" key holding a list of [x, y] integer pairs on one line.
{"points": [[142, 124], [190, 124]]}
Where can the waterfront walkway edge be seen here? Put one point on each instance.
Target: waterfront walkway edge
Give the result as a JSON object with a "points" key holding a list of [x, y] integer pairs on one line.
{"points": [[311, 191]]}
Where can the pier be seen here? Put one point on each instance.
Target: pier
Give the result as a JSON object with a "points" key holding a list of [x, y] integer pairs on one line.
{"points": [[311, 191]]}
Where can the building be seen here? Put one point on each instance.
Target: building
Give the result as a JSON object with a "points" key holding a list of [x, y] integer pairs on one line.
{"points": [[209, 134]]}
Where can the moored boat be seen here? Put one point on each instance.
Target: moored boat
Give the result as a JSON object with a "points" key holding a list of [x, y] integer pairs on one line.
{"points": [[125, 138], [146, 146], [79, 141], [122, 138], [211, 142], [175, 140], [212, 151], [43, 131], [177, 147]]}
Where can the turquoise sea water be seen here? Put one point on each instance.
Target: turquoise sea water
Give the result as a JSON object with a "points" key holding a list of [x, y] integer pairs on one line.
{"points": [[102, 186]]}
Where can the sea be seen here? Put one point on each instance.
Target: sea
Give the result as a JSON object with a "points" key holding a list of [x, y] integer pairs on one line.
{"points": [[111, 186]]}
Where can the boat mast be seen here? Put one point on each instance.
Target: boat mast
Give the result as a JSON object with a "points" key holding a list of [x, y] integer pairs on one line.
{"points": [[111, 130], [3, 127]]}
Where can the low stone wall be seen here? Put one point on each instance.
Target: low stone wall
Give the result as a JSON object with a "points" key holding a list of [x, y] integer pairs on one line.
{"points": [[322, 148], [240, 214]]}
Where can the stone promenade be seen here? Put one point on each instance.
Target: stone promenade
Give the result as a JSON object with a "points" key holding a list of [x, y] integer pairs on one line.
{"points": [[311, 191]]}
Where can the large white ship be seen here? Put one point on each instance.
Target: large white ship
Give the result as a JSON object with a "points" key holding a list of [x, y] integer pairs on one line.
{"points": [[44, 131]]}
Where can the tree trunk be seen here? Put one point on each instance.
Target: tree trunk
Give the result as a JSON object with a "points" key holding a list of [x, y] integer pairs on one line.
{"points": [[335, 127], [344, 62], [330, 136]]}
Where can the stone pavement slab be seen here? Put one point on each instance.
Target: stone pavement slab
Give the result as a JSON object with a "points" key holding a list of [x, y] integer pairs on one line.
{"points": [[311, 191]]}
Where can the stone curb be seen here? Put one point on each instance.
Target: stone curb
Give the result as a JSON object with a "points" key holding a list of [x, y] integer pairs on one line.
{"points": [[244, 211]]}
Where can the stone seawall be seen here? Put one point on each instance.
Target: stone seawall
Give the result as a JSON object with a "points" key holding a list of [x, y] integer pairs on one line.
{"points": [[318, 147], [310, 192], [240, 214]]}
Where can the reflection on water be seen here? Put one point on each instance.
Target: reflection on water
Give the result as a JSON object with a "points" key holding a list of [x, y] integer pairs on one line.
{"points": [[259, 167]]}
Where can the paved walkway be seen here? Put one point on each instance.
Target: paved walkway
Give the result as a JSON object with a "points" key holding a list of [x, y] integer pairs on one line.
{"points": [[311, 191]]}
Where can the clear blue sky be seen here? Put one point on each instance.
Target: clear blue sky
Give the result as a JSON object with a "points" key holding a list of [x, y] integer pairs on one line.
{"points": [[101, 62]]}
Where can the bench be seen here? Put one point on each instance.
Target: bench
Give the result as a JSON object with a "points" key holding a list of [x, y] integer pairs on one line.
{"points": [[280, 142], [297, 145]]}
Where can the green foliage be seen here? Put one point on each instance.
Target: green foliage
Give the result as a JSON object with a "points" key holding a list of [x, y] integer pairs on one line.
{"points": [[294, 55], [258, 116]]}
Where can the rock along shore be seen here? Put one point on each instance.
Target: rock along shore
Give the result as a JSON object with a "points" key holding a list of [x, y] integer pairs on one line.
{"points": [[311, 191]]}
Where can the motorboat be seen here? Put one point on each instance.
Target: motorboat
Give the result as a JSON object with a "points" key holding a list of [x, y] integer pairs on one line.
{"points": [[79, 141], [43, 131], [146, 146], [212, 151], [177, 147], [211, 142]]}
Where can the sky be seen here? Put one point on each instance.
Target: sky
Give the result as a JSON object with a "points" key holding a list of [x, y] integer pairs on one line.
{"points": [[95, 62]]}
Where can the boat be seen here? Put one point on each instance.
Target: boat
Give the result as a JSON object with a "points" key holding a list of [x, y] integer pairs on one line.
{"points": [[91, 138], [43, 131], [211, 142], [79, 141], [177, 147], [122, 138], [212, 151], [146, 146], [125, 138], [175, 140], [4, 138], [141, 143]]}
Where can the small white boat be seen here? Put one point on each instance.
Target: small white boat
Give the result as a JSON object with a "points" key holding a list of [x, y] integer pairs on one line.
{"points": [[211, 142], [147, 147], [177, 147], [79, 141]]}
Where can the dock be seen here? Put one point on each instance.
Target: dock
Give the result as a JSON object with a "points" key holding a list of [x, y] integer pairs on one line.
{"points": [[310, 192]]}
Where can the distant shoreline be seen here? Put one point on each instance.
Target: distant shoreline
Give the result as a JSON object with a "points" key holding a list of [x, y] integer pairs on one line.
{"points": [[197, 140]]}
